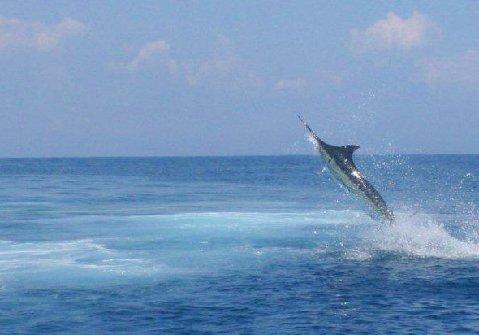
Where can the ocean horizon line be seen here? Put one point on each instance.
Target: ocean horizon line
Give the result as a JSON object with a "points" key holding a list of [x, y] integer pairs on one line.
{"points": [[222, 156]]}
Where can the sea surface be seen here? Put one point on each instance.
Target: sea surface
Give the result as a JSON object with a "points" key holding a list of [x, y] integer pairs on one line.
{"points": [[237, 245]]}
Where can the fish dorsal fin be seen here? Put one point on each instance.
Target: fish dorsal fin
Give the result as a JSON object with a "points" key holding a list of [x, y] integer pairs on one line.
{"points": [[348, 151]]}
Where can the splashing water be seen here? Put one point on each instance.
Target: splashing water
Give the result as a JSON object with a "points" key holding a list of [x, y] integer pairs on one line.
{"points": [[422, 236]]}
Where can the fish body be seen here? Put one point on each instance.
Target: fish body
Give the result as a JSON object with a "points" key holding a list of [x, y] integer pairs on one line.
{"points": [[339, 160]]}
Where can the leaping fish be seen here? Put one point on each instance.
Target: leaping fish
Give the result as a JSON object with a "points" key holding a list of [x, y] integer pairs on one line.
{"points": [[339, 160]]}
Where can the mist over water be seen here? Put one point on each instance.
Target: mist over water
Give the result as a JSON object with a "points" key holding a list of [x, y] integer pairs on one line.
{"points": [[238, 244]]}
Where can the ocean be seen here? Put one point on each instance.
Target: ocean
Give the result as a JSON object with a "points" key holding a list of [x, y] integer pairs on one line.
{"points": [[237, 245]]}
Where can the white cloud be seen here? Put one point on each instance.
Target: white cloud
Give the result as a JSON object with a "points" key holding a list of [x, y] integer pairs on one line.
{"points": [[290, 84], [462, 70], [222, 66], [21, 34], [195, 73], [394, 32], [153, 53]]}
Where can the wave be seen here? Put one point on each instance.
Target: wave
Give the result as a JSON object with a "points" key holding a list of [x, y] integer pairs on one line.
{"points": [[420, 235]]}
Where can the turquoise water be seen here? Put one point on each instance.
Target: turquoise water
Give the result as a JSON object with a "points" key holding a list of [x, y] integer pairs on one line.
{"points": [[262, 245]]}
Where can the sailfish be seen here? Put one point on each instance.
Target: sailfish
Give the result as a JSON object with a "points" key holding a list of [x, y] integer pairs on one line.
{"points": [[339, 160]]}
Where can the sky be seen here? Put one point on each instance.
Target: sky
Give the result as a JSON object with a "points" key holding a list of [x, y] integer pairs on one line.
{"points": [[189, 78]]}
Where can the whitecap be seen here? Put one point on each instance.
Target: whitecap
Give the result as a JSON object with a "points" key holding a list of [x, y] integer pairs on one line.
{"points": [[420, 235]]}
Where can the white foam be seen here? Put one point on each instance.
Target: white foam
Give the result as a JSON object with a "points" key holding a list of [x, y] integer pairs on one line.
{"points": [[421, 236], [358, 254], [76, 262]]}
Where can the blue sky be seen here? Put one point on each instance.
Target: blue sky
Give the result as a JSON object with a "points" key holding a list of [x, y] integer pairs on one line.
{"points": [[131, 78]]}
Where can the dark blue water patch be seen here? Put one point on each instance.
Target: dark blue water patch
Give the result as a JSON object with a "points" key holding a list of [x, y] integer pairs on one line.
{"points": [[381, 296]]}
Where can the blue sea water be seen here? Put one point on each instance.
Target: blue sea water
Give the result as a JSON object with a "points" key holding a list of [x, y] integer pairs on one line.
{"points": [[238, 245]]}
